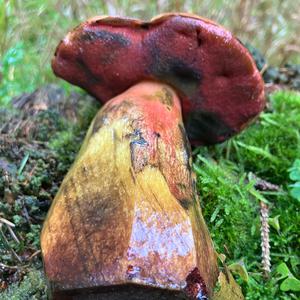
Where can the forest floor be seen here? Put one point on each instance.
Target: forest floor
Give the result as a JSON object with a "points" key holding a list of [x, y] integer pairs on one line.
{"points": [[42, 132]]}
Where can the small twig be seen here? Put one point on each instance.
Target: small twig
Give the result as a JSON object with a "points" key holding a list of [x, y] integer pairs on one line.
{"points": [[34, 254], [30, 175], [263, 185], [12, 233], [32, 171], [4, 221], [16, 126], [9, 226], [26, 214], [4, 266], [12, 251], [264, 68], [226, 248]]}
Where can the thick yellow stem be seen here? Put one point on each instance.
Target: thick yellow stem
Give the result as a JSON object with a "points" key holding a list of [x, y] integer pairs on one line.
{"points": [[126, 218]]}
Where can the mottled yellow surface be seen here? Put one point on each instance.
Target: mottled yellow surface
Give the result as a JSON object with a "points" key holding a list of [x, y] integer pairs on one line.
{"points": [[126, 211]]}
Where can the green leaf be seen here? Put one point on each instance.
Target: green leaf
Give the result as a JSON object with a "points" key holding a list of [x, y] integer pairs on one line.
{"points": [[259, 151], [23, 163], [258, 196], [295, 193], [295, 261], [295, 171], [219, 223], [214, 214], [283, 270], [239, 268], [222, 257], [295, 176], [274, 222], [290, 284], [253, 229]]}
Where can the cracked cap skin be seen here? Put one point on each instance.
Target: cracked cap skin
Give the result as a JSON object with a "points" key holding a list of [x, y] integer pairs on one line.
{"points": [[217, 81]]}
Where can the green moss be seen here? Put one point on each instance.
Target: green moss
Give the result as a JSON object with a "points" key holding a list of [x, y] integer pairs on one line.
{"points": [[231, 204], [269, 147], [66, 142], [227, 202], [32, 287], [31, 173]]}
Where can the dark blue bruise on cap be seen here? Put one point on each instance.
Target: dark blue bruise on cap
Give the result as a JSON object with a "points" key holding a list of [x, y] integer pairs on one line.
{"points": [[207, 127], [105, 36]]}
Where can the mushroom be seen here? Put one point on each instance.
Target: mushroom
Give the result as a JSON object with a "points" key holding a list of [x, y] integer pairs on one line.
{"points": [[126, 222]]}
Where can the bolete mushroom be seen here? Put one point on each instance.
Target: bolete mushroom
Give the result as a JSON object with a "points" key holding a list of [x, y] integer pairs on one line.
{"points": [[126, 222]]}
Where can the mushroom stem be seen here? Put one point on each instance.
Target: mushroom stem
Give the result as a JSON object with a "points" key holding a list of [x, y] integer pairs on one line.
{"points": [[126, 222]]}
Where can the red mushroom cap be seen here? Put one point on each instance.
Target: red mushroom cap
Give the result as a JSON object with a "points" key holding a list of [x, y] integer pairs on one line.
{"points": [[220, 88]]}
